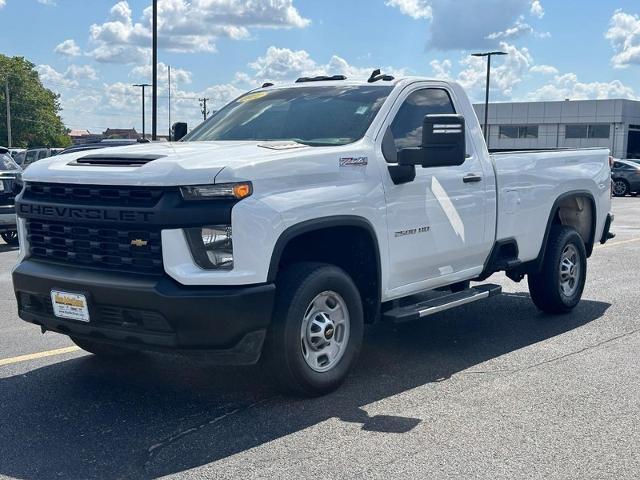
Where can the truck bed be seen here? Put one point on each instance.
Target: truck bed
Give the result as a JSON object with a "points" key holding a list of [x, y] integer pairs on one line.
{"points": [[529, 183]]}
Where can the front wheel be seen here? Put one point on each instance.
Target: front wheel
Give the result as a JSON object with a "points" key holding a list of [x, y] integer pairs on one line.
{"points": [[10, 238], [558, 287], [317, 329]]}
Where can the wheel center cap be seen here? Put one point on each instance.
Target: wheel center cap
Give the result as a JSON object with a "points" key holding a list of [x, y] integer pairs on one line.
{"points": [[328, 332]]}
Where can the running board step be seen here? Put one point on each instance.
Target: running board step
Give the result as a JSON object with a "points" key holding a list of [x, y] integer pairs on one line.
{"points": [[416, 311]]}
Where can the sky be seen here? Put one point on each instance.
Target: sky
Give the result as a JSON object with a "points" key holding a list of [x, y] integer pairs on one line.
{"points": [[91, 52]]}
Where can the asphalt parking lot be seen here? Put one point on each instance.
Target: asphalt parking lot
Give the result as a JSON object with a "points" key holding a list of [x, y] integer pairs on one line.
{"points": [[492, 390]]}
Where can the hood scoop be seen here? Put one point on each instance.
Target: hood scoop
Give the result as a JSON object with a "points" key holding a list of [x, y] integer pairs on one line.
{"points": [[115, 160]]}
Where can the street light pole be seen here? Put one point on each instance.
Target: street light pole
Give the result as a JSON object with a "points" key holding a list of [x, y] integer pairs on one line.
{"points": [[154, 108], [143, 86], [169, 81], [486, 101]]}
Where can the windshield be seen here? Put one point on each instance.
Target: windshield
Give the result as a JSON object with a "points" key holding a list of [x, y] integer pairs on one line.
{"points": [[7, 163], [316, 116]]}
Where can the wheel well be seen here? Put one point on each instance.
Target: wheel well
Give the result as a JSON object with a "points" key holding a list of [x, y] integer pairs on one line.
{"points": [[352, 248], [578, 211]]}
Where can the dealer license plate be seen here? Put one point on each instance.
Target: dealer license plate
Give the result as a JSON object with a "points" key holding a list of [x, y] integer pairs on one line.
{"points": [[72, 306]]}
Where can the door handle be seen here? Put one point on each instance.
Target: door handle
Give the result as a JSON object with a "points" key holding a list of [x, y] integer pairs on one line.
{"points": [[472, 178]]}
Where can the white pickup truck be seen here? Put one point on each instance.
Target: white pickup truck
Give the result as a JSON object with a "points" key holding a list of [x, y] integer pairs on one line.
{"points": [[297, 214]]}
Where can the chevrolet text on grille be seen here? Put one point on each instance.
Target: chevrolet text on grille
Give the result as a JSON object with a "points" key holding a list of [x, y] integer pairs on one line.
{"points": [[84, 213]]}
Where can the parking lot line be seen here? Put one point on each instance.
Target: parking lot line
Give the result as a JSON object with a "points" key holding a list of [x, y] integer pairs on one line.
{"points": [[622, 242], [35, 356]]}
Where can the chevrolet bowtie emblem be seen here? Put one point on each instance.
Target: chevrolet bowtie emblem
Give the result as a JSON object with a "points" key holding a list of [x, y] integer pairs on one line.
{"points": [[138, 242]]}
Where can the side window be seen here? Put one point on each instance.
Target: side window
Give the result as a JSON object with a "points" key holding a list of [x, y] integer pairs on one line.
{"points": [[407, 126]]}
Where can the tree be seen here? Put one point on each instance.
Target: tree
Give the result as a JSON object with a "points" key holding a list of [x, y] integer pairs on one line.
{"points": [[35, 119]]}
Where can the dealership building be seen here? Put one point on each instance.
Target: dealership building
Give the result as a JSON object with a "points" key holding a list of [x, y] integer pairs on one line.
{"points": [[614, 124]]}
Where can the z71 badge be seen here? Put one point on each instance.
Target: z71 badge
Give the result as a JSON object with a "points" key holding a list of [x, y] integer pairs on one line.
{"points": [[354, 161]]}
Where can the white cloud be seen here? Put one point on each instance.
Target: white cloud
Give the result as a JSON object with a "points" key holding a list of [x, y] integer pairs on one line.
{"points": [[279, 63], [50, 3], [519, 29], [519, 66], [544, 69], [536, 9], [2, 3], [178, 75], [69, 79], [285, 64], [624, 35], [568, 86], [505, 76], [81, 72], [414, 8], [68, 48], [187, 26], [441, 69]]}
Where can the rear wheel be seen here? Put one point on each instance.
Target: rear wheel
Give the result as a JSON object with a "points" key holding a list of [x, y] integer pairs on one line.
{"points": [[317, 329], [103, 349], [558, 287], [620, 188], [10, 238]]}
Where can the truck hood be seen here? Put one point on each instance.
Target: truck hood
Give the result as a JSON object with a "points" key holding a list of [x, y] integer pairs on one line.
{"points": [[188, 163]]}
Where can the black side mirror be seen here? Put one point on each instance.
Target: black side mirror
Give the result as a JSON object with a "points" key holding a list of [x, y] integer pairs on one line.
{"points": [[179, 131], [399, 173], [443, 143]]}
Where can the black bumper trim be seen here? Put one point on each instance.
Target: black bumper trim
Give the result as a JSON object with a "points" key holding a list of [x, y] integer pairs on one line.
{"points": [[226, 324]]}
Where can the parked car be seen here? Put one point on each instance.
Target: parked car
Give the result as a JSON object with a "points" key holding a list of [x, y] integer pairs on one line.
{"points": [[34, 154], [280, 226], [634, 160], [19, 157], [10, 174], [625, 175]]}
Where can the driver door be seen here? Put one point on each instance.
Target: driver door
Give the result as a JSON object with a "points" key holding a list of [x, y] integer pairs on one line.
{"points": [[436, 223]]}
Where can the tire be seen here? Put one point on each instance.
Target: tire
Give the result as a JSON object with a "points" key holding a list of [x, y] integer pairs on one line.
{"points": [[559, 285], [10, 238], [317, 329], [620, 188], [104, 350]]}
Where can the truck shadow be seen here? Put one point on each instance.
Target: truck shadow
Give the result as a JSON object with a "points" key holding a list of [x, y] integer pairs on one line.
{"points": [[87, 418]]}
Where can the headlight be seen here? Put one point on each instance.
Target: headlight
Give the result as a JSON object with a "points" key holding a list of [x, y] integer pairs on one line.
{"points": [[211, 246], [236, 191]]}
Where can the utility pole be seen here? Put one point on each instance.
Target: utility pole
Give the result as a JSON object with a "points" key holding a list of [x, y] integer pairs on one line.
{"points": [[486, 101], [169, 80], [7, 97], [203, 104], [154, 109], [143, 86]]}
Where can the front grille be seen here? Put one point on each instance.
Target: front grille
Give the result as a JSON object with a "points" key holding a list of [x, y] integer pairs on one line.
{"points": [[93, 194], [121, 248]]}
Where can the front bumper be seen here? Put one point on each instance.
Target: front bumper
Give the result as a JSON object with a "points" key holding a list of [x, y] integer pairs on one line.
{"points": [[226, 324]]}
